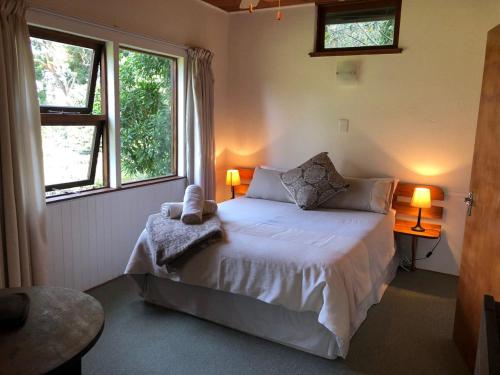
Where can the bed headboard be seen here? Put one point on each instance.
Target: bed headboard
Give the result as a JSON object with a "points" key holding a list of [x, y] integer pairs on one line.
{"points": [[246, 175], [402, 197]]}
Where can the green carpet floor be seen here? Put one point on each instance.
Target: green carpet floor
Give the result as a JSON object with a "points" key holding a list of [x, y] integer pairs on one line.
{"points": [[409, 332]]}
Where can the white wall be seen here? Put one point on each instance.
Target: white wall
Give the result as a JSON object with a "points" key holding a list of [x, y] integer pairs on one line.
{"points": [[91, 238], [412, 115]]}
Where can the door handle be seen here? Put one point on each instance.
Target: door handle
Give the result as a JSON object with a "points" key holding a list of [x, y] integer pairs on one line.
{"points": [[469, 202]]}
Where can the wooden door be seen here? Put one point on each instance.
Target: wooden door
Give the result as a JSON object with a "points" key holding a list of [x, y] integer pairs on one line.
{"points": [[480, 265]]}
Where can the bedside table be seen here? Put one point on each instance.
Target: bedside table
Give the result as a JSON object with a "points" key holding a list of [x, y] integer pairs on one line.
{"points": [[432, 231]]}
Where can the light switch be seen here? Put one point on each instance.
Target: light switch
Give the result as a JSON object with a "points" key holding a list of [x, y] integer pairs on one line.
{"points": [[343, 125]]}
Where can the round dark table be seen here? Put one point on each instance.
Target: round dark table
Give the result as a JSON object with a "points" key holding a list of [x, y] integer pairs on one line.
{"points": [[62, 326]]}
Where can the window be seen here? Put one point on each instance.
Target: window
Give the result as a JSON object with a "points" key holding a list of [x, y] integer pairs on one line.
{"points": [[359, 27], [69, 85], [148, 98]]}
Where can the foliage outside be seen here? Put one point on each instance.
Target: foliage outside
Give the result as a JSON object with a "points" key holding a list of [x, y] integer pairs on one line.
{"points": [[146, 102], [359, 34], [63, 74]]}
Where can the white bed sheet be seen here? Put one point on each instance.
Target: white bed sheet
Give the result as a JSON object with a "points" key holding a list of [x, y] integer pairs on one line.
{"points": [[326, 261]]}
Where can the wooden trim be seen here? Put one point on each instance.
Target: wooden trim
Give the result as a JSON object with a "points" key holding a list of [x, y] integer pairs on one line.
{"points": [[404, 208], [69, 119], [93, 78], [397, 24], [95, 152], [405, 189], [104, 82], [480, 261], [105, 155], [357, 51], [246, 175], [59, 110], [78, 116], [324, 9], [343, 6], [96, 46], [91, 192], [320, 28], [432, 231], [68, 185], [104, 109], [147, 181], [79, 120], [175, 117]]}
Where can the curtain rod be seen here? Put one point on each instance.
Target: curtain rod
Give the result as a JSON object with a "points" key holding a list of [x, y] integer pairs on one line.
{"points": [[108, 28]]}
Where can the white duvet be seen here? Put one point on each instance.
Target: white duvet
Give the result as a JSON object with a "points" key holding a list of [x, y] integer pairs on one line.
{"points": [[332, 262]]}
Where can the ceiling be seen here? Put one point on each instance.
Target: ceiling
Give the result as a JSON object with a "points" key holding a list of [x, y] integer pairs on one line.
{"points": [[234, 5]]}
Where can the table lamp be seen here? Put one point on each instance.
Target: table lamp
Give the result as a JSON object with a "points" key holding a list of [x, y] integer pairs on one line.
{"points": [[421, 199], [232, 179]]}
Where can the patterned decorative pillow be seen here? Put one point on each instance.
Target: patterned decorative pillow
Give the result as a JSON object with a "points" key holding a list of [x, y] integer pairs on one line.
{"points": [[313, 182]]}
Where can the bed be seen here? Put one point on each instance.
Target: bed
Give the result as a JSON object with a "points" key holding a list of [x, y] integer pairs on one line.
{"points": [[305, 279]]}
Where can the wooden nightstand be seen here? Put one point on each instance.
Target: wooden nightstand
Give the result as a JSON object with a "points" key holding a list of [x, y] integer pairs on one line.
{"points": [[432, 231], [401, 204], [246, 175]]}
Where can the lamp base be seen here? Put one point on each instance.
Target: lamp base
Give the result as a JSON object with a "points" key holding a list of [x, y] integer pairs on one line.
{"points": [[418, 228]]}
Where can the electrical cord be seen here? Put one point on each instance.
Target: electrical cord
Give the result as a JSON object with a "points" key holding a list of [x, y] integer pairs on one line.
{"points": [[429, 253], [405, 261]]}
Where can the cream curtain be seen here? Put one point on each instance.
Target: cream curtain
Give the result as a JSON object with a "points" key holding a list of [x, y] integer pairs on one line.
{"points": [[23, 239], [200, 143]]}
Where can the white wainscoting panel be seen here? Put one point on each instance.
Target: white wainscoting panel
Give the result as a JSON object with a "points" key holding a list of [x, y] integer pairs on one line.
{"points": [[91, 238]]}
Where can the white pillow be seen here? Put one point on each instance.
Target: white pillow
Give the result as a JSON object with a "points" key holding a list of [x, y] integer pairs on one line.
{"points": [[365, 194], [268, 167], [266, 184]]}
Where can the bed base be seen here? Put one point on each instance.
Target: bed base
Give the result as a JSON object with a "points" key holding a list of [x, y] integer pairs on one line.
{"points": [[299, 330]]}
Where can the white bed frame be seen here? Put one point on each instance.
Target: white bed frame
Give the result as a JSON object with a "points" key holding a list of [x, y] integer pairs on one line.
{"points": [[299, 330]]}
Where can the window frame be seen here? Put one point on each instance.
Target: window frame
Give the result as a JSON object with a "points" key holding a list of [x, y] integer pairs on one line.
{"points": [[75, 40], [175, 115], [80, 116], [324, 9]]}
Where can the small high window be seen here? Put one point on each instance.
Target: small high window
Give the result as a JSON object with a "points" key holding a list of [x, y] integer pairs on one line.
{"points": [[358, 27]]}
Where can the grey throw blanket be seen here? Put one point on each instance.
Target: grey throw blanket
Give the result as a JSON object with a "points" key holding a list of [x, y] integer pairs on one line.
{"points": [[172, 238]]}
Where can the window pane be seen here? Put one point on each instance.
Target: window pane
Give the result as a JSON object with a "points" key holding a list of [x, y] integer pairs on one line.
{"points": [[147, 102], [67, 153], [363, 28], [97, 105], [63, 73]]}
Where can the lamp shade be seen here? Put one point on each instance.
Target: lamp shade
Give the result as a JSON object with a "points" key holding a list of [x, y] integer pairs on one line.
{"points": [[233, 177], [421, 198]]}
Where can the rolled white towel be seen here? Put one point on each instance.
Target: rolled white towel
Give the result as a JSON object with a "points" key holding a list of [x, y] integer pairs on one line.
{"points": [[173, 210], [192, 210]]}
